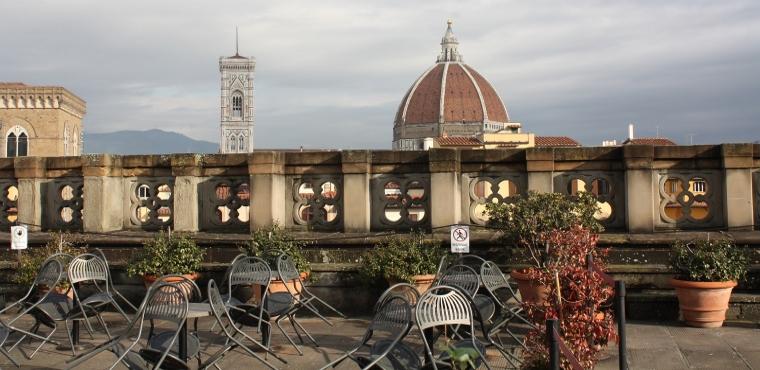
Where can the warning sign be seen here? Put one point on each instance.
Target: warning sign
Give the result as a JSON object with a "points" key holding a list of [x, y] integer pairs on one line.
{"points": [[460, 239], [18, 237]]}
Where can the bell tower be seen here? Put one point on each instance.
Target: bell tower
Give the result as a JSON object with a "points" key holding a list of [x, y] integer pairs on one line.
{"points": [[236, 128]]}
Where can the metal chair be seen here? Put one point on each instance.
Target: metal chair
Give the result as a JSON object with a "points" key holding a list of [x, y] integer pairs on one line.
{"points": [[466, 279], [49, 275], [301, 298], [443, 307], [394, 319], [163, 302], [163, 340], [406, 290], [221, 313], [90, 268], [110, 281], [501, 292]]}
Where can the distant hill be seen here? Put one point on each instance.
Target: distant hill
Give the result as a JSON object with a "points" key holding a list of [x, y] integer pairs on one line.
{"points": [[145, 142]]}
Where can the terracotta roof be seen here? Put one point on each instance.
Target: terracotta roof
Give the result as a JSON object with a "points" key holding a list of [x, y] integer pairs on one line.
{"points": [[465, 95], [552, 141], [458, 141], [12, 84], [649, 141]]}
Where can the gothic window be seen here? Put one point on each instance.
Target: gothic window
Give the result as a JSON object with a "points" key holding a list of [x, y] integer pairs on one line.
{"points": [[241, 143], [17, 142], [237, 104], [231, 143]]}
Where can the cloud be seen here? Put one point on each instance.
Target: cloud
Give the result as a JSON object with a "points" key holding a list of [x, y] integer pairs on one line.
{"points": [[330, 74]]}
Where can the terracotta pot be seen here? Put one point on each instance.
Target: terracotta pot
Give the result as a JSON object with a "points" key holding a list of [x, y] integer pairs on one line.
{"points": [[42, 289], [421, 282], [529, 290], [276, 285], [703, 304], [150, 279]]}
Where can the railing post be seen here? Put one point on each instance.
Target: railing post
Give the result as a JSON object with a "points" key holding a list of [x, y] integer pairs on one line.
{"points": [[186, 169], [445, 189], [30, 172], [268, 191], [641, 193], [540, 167], [620, 313], [552, 326], [356, 168], [104, 197], [737, 185]]}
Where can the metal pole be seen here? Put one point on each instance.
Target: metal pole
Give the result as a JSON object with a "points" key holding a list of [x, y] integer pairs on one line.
{"points": [[620, 311], [551, 328]]}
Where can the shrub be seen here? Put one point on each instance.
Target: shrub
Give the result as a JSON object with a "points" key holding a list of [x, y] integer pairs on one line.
{"points": [[527, 222], [166, 253], [586, 324], [398, 258], [708, 260], [269, 243], [31, 259]]}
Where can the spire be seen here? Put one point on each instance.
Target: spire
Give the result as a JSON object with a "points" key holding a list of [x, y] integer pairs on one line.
{"points": [[449, 44], [236, 42]]}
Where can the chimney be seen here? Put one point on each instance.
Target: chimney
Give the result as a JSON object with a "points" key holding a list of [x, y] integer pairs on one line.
{"points": [[630, 131]]}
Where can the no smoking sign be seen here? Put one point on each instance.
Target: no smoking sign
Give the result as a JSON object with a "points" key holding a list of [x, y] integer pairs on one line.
{"points": [[460, 239]]}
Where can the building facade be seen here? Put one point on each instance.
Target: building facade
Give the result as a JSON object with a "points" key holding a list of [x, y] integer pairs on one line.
{"points": [[40, 121], [237, 113]]}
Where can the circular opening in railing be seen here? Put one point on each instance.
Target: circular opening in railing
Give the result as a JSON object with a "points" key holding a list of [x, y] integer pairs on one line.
{"points": [[67, 192], [164, 192], [12, 193], [329, 190], [306, 190], [392, 191], [392, 212]]}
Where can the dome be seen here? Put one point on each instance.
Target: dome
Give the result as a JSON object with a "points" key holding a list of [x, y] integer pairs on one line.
{"points": [[467, 96]]}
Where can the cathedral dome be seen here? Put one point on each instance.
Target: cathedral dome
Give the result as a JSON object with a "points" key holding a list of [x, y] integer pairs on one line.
{"points": [[451, 92]]}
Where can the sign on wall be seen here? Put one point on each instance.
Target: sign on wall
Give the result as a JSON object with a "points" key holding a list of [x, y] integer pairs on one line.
{"points": [[460, 239], [18, 237]]}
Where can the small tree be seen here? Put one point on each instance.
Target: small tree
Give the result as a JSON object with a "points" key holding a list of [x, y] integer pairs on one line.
{"points": [[398, 258], [166, 253], [268, 243]]}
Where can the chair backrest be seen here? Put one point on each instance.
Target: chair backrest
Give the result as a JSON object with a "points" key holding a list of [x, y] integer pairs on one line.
{"points": [[471, 260], [87, 267], [50, 273], [461, 276], [406, 290], [166, 302], [443, 305], [218, 308], [249, 270], [492, 277], [286, 269], [394, 317], [188, 286]]}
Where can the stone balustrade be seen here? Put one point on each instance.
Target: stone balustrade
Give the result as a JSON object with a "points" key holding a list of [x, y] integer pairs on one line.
{"points": [[641, 189]]}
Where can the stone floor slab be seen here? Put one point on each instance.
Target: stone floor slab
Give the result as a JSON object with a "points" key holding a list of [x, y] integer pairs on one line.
{"points": [[714, 360]]}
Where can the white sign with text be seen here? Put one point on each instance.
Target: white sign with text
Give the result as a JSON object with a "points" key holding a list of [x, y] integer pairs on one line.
{"points": [[18, 237], [460, 239]]}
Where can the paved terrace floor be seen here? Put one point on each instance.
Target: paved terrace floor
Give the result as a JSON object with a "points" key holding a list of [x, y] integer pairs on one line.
{"points": [[650, 346]]}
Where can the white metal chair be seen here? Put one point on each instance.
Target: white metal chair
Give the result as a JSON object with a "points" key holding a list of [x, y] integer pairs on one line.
{"points": [[388, 327], [221, 314], [501, 292]]}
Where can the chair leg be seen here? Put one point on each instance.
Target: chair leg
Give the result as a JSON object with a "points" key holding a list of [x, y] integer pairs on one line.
{"points": [[304, 331], [42, 343], [333, 309], [71, 339], [279, 326], [290, 319], [8, 355]]}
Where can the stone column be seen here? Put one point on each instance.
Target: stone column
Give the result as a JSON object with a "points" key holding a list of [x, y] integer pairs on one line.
{"points": [[103, 209], [540, 167], [30, 172], [445, 191], [641, 195], [267, 171], [356, 190], [186, 169], [738, 200]]}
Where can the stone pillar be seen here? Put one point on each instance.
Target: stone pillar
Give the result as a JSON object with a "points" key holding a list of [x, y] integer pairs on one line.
{"points": [[356, 190], [186, 169], [641, 195], [30, 172], [104, 195], [268, 189], [540, 167], [445, 190], [738, 200]]}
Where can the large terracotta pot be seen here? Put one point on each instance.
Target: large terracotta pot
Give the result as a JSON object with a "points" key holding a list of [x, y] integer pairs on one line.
{"points": [[150, 279], [529, 290], [703, 304], [421, 282], [276, 285]]}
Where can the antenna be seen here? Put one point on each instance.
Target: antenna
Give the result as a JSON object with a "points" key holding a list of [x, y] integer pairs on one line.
{"points": [[236, 41]]}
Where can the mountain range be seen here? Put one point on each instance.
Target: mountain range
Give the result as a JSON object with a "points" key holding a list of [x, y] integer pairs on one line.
{"points": [[145, 142]]}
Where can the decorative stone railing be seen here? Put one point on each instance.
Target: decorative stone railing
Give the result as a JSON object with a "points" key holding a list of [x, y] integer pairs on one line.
{"points": [[642, 189]]}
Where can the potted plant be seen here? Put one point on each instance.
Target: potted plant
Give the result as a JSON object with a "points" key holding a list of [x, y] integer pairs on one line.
{"points": [[708, 270], [31, 260], [527, 223], [410, 259], [268, 244], [166, 253]]}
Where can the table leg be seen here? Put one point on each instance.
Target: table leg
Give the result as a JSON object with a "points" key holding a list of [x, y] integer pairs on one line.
{"points": [[183, 341], [75, 333]]}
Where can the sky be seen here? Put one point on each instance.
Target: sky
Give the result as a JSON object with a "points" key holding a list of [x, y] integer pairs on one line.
{"points": [[331, 73]]}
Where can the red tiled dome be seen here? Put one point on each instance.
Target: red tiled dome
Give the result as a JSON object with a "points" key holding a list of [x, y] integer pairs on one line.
{"points": [[467, 97]]}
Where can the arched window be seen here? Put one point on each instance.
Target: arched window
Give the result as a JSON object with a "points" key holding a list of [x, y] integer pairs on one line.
{"points": [[231, 144], [16, 142], [237, 104], [241, 143], [11, 147]]}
